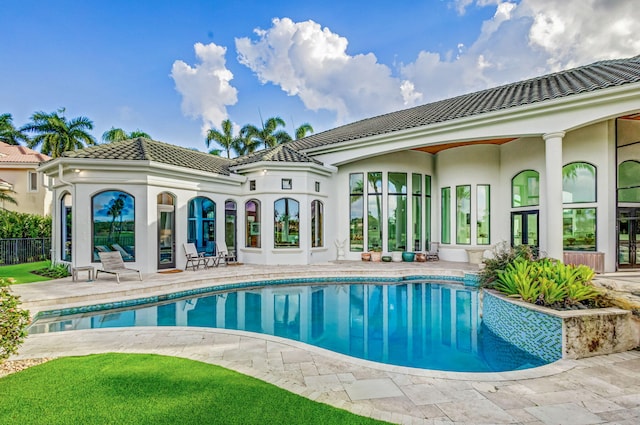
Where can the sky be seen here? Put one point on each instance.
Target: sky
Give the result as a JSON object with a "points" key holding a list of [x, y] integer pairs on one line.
{"points": [[175, 69]]}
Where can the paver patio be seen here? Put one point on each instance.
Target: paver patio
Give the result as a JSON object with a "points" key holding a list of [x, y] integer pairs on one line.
{"points": [[604, 389]]}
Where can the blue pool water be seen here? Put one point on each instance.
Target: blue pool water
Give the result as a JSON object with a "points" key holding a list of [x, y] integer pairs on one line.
{"points": [[418, 324]]}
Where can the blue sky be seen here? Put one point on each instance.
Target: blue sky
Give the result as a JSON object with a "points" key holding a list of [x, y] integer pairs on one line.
{"points": [[175, 68]]}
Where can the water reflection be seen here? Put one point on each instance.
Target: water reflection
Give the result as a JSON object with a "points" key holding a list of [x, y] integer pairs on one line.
{"points": [[419, 324]]}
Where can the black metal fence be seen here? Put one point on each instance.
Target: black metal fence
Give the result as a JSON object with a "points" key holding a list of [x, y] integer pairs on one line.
{"points": [[24, 250]]}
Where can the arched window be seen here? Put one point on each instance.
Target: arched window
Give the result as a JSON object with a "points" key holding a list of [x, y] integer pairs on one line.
{"points": [[66, 214], [578, 183], [252, 220], [629, 181], [317, 223], [114, 224], [579, 222], [286, 223], [201, 229], [525, 189]]}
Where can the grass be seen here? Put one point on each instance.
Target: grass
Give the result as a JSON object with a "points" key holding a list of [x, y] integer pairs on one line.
{"points": [[22, 272], [153, 389]]}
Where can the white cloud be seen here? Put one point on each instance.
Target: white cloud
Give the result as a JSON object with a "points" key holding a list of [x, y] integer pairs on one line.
{"points": [[529, 39], [311, 62], [205, 87]]}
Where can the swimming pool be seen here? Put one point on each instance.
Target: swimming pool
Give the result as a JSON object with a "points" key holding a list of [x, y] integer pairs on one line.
{"points": [[418, 324]]}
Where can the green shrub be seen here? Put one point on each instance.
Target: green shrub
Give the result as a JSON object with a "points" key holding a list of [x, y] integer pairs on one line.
{"points": [[503, 255], [546, 282], [13, 321], [57, 271], [21, 225]]}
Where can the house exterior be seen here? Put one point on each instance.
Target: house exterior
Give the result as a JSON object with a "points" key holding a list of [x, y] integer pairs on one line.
{"points": [[19, 176], [552, 162]]}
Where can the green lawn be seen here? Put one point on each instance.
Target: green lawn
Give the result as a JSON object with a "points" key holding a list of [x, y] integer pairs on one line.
{"points": [[22, 272], [152, 389]]}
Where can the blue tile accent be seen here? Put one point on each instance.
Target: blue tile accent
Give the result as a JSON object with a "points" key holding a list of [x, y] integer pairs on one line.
{"points": [[537, 333]]}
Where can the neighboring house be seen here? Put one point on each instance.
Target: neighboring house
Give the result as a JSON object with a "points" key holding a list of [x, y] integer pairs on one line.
{"points": [[19, 173], [552, 162]]}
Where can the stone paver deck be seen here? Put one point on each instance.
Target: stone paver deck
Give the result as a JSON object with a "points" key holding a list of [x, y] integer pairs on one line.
{"points": [[604, 389]]}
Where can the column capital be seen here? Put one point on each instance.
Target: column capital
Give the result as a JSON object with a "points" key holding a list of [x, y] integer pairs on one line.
{"points": [[553, 135]]}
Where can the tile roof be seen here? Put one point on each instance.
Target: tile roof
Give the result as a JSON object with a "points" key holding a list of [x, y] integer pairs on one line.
{"points": [[17, 153], [588, 78], [280, 153], [142, 149]]}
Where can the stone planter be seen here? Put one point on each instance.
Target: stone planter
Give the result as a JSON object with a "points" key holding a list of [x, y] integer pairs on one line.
{"points": [[553, 335], [365, 256], [396, 256], [376, 256], [421, 257]]}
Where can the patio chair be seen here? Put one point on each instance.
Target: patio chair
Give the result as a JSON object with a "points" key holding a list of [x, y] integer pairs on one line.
{"points": [[113, 263], [432, 254], [195, 259], [223, 252]]}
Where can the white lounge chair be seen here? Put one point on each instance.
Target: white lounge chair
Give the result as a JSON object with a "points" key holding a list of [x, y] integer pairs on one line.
{"points": [[113, 263], [195, 259], [223, 252]]}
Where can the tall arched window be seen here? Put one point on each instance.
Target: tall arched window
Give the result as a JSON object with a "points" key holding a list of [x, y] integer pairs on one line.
{"points": [[114, 224], [230, 217], [252, 220], [201, 229], [66, 214], [525, 189], [317, 223], [629, 181], [286, 223], [579, 222]]}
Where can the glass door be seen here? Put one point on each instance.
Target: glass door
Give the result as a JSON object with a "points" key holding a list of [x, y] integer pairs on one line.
{"points": [[230, 216], [524, 228], [628, 238], [166, 232]]}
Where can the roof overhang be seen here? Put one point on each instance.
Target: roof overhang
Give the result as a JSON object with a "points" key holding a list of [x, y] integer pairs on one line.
{"points": [[311, 167], [533, 120], [81, 170]]}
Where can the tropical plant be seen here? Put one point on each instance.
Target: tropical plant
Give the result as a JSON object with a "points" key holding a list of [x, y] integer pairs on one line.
{"points": [[6, 197], [546, 282], [502, 255], [56, 134], [268, 135], [13, 321], [8, 133], [302, 131], [224, 138], [118, 134]]}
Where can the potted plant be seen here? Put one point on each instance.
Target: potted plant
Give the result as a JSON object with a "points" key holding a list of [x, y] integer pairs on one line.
{"points": [[408, 256], [376, 253]]}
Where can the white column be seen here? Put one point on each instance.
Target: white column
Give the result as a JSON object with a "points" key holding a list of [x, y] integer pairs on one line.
{"points": [[553, 204]]}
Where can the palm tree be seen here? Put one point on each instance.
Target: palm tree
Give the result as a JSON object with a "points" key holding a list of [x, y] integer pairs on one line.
{"points": [[8, 133], [5, 197], [267, 136], [302, 131], [225, 138], [57, 134], [118, 134], [244, 144]]}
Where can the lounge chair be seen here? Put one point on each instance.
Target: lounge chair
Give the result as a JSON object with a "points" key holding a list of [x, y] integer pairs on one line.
{"points": [[113, 263], [195, 259], [432, 254], [223, 252]]}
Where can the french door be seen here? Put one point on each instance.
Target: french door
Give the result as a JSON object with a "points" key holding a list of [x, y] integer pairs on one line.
{"points": [[628, 238], [525, 228], [166, 237]]}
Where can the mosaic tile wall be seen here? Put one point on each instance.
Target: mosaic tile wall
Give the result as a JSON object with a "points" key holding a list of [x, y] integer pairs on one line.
{"points": [[537, 333]]}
